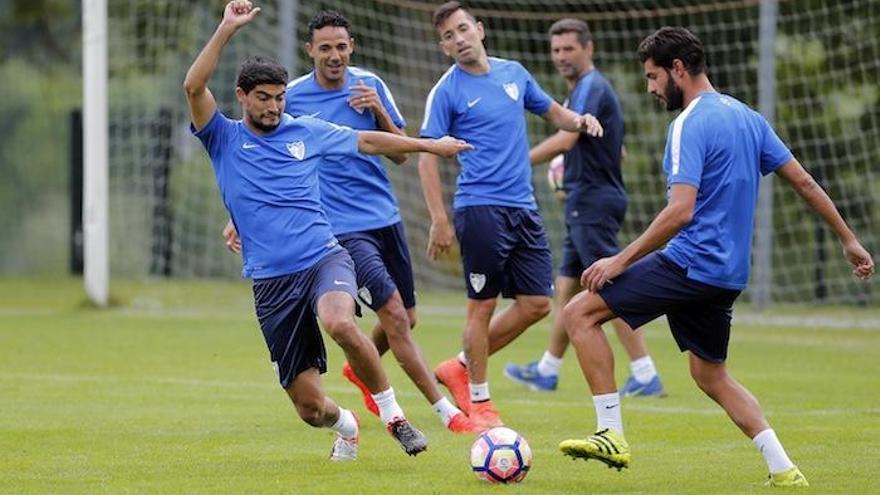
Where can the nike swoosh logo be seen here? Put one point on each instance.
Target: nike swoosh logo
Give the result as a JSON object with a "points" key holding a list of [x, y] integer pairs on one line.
{"points": [[248, 146], [612, 406], [471, 103], [341, 282]]}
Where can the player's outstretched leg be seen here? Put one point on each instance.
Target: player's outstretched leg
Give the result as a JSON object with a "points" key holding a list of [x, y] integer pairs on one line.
{"points": [[394, 332], [335, 311], [395, 322], [744, 410]]}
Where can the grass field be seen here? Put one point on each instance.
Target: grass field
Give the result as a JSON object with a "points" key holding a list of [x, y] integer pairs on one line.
{"points": [[171, 392]]}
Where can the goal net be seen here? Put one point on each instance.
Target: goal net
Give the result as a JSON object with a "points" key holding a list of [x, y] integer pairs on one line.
{"points": [[166, 214]]}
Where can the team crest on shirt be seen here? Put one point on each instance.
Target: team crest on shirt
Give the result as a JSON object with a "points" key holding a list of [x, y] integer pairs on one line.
{"points": [[478, 281], [512, 90], [297, 149]]}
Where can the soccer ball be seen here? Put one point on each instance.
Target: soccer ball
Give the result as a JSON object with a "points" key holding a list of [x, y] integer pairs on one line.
{"points": [[555, 173], [501, 455]]}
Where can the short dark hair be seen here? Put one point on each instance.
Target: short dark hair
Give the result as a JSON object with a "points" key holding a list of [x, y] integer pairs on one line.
{"points": [[446, 10], [326, 18], [670, 43], [258, 70], [577, 26]]}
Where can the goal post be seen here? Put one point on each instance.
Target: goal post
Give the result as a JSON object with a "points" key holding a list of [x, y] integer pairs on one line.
{"points": [[96, 261]]}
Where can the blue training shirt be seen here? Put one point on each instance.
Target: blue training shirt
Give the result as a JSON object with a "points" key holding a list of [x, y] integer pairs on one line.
{"points": [[269, 185], [592, 181], [355, 190], [487, 111], [722, 147]]}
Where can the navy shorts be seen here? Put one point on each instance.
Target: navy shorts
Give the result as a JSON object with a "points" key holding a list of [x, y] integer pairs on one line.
{"points": [[382, 264], [287, 308], [699, 314], [504, 250], [586, 243]]}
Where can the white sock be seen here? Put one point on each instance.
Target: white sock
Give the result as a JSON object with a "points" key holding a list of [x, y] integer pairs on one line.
{"points": [[549, 364], [479, 392], [769, 446], [462, 358], [445, 410], [608, 411], [389, 409], [346, 425], [643, 369]]}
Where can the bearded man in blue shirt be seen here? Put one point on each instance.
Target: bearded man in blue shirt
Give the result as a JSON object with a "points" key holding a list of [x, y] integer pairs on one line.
{"points": [[717, 149]]}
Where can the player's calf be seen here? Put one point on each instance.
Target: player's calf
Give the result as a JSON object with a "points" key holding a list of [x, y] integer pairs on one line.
{"points": [[312, 414]]}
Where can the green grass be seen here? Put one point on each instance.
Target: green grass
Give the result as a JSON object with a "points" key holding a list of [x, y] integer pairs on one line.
{"points": [[171, 391]]}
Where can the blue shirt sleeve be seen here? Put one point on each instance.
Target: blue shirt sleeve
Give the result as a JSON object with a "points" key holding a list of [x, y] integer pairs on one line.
{"points": [[437, 114], [336, 140], [686, 152], [586, 99], [215, 134], [535, 99], [389, 103], [774, 153]]}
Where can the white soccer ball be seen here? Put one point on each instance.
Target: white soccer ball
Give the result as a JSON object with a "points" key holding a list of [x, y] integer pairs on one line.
{"points": [[501, 455], [555, 173]]}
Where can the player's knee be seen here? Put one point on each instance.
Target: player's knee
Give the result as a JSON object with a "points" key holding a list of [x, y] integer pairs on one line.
{"points": [[343, 331], [578, 320], [538, 308], [571, 317], [708, 379], [311, 411], [481, 309]]}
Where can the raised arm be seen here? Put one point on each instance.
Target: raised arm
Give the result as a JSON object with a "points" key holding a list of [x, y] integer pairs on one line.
{"points": [[567, 120], [802, 182], [440, 233], [201, 102]]}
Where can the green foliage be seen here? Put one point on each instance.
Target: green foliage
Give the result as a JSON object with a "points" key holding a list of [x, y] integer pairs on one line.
{"points": [[827, 108], [41, 31], [34, 152]]}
